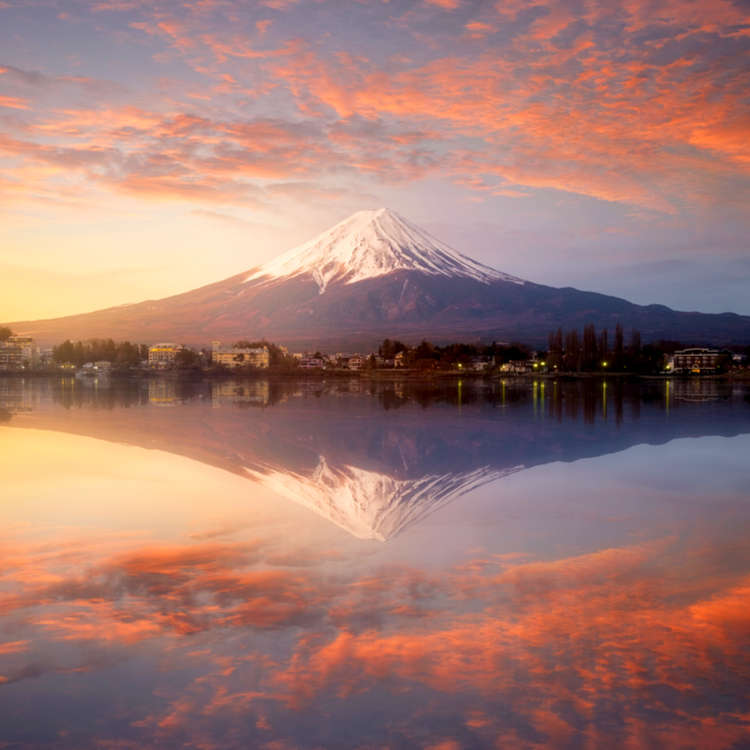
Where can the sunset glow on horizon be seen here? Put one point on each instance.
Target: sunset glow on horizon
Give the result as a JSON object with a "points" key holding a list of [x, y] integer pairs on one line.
{"points": [[147, 148]]}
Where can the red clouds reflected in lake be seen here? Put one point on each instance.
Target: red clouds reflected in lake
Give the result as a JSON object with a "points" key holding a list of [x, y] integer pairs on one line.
{"points": [[203, 611]]}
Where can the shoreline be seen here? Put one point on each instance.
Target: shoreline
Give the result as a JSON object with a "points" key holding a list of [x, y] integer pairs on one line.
{"points": [[369, 375]]}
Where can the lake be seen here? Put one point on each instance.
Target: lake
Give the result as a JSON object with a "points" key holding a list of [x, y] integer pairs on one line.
{"points": [[354, 564]]}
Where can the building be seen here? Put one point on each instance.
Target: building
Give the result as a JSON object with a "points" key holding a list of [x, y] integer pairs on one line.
{"points": [[516, 367], [18, 353], [238, 356], [479, 364], [11, 357], [94, 369], [356, 362], [311, 363], [163, 355], [695, 361]]}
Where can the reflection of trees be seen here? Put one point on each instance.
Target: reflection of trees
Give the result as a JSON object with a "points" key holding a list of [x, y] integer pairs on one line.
{"points": [[561, 399]]}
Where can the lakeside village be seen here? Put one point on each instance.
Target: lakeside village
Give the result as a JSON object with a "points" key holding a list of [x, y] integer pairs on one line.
{"points": [[568, 353]]}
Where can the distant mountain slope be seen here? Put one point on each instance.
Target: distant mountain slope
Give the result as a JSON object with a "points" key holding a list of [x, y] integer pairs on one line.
{"points": [[376, 275]]}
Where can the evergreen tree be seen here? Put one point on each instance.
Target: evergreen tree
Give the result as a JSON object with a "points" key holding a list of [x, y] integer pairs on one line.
{"points": [[590, 349], [572, 357], [604, 346], [555, 354], [618, 354]]}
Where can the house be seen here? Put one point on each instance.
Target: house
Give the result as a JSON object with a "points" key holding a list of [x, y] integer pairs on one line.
{"points": [[516, 367], [400, 359], [356, 362], [238, 356], [311, 363], [94, 369], [696, 361], [163, 355], [18, 353], [478, 364]]}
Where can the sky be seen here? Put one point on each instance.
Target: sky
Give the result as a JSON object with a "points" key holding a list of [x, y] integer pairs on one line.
{"points": [[149, 147]]}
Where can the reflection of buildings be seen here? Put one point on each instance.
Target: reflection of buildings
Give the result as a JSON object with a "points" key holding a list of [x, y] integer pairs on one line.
{"points": [[162, 392], [256, 392], [695, 389], [17, 395]]}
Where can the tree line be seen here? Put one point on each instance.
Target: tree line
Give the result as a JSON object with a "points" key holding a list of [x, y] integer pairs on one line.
{"points": [[592, 351], [427, 354], [97, 350]]}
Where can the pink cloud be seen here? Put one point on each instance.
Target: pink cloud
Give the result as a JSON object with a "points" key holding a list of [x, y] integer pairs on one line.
{"points": [[445, 4]]}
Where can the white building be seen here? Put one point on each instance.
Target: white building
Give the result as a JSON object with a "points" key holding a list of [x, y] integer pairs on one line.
{"points": [[236, 356], [163, 355], [18, 352]]}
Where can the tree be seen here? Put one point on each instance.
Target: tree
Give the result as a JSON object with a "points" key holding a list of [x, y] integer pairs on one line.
{"points": [[93, 350], [618, 354], [572, 357], [589, 356], [186, 358], [5, 333], [389, 349], [635, 343], [425, 351], [604, 346], [555, 356]]}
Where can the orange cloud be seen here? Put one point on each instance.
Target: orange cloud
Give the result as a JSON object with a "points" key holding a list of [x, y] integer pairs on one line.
{"points": [[13, 647], [13, 102], [638, 103], [445, 4]]}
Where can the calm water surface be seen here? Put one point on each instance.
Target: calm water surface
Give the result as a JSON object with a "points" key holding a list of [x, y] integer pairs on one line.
{"points": [[342, 565]]}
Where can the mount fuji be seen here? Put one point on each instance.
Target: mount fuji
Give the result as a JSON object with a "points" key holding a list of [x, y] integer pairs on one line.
{"points": [[370, 244], [377, 275]]}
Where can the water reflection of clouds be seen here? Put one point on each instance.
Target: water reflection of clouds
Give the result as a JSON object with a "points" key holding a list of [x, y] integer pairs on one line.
{"points": [[603, 647]]}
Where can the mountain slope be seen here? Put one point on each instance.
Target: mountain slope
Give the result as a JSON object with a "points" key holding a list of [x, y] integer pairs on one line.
{"points": [[376, 275]]}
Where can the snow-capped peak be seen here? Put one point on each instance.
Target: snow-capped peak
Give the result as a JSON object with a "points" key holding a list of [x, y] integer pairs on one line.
{"points": [[370, 244]]}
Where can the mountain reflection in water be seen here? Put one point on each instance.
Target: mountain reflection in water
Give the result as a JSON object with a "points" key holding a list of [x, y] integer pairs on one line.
{"points": [[149, 601], [374, 458]]}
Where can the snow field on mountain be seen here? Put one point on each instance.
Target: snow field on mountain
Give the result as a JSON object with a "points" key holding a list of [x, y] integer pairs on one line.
{"points": [[370, 244]]}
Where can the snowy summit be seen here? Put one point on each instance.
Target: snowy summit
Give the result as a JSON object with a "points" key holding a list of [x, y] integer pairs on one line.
{"points": [[370, 244]]}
